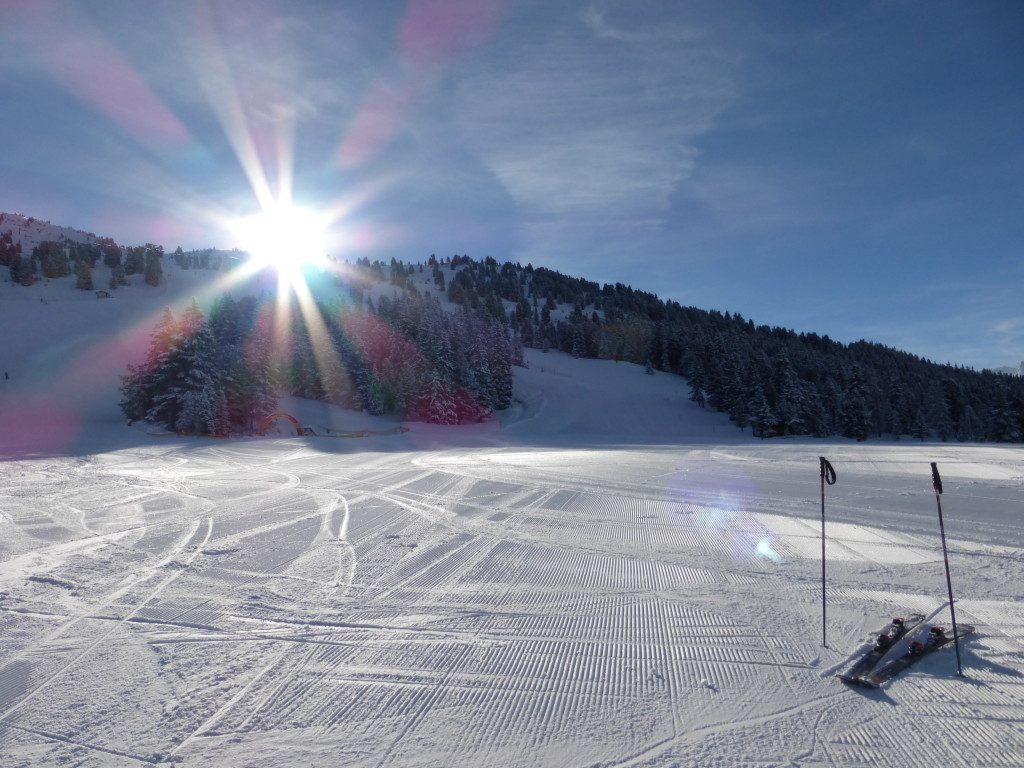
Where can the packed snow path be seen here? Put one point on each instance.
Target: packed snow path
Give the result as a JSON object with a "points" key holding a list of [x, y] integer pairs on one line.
{"points": [[286, 602]]}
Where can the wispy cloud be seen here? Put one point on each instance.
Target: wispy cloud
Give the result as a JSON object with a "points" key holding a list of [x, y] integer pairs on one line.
{"points": [[588, 123], [757, 198], [1008, 338], [645, 23], [594, 17]]}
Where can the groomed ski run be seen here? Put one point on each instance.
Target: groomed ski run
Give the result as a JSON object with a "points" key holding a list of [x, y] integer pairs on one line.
{"points": [[610, 577]]}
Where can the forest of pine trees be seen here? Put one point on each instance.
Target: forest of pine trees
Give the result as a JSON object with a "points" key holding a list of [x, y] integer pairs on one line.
{"points": [[772, 380], [53, 259], [410, 357], [221, 374]]}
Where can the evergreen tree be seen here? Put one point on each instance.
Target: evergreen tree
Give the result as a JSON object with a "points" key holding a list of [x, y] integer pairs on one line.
{"points": [[763, 420], [814, 418], [23, 270], [7, 248], [111, 253], [1003, 420], [52, 258], [518, 354], [222, 417], [855, 416], [970, 426], [83, 277], [117, 277], [154, 271], [697, 382], [937, 408], [135, 261], [919, 426], [143, 382], [184, 378], [579, 340], [190, 404], [437, 405]]}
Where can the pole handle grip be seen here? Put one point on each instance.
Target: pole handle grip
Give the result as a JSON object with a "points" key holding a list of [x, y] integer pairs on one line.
{"points": [[936, 480]]}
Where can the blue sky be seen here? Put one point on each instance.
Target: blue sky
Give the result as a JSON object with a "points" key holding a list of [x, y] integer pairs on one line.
{"points": [[848, 168]]}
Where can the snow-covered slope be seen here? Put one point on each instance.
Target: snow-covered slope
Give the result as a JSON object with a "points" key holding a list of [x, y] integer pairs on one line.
{"points": [[605, 575], [64, 351], [1016, 370], [65, 361], [564, 401], [30, 231]]}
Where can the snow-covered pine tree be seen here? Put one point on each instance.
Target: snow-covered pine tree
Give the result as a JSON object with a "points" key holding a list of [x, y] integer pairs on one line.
{"points": [[135, 261], [83, 276], [197, 391], [937, 411], [23, 269], [437, 404], [183, 374], [855, 417], [154, 271], [143, 382], [117, 277], [1003, 421], [763, 419], [499, 368]]}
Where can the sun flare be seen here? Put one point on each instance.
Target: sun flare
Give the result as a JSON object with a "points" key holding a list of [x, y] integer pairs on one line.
{"points": [[284, 237]]}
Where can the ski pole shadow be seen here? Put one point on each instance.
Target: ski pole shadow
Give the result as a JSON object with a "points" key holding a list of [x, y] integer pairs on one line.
{"points": [[972, 662], [875, 694]]}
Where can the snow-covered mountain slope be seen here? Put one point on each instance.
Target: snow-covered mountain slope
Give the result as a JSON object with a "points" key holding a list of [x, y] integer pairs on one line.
{"points": [[65, 361], [64, 351], [30, 231], [604, 575]]}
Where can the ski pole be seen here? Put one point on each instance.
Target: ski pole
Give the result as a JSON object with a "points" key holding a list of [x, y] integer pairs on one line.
{"points": [[827, 475], [937, 484]]}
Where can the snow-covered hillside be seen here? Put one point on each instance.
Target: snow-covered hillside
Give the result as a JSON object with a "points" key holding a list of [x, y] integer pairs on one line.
{"points": [[30, 231], [604, 575], [1016, 370]]}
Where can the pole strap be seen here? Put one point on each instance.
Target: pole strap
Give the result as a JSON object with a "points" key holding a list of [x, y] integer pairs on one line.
{"points": [[828, 474]]}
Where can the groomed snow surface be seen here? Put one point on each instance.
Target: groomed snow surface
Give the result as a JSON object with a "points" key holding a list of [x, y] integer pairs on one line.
{"points": [[606, 575]]}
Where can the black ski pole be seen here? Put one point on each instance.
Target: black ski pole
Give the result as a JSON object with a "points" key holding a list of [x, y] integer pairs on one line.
{"points": [[937, 484], [827, 475]]}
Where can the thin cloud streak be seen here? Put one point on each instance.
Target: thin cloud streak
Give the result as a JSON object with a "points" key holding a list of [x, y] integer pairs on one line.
{"points": [[573, 138]]}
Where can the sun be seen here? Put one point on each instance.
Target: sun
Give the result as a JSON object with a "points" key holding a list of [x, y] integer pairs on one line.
{"points": [[283, 236]]}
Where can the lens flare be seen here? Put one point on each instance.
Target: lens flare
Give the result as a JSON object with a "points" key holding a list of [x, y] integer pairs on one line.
{"points": [[283, 236], [764, 549]]}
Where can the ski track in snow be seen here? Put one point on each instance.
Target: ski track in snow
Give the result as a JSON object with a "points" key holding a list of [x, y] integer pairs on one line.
{"points": [[260, 603]]}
